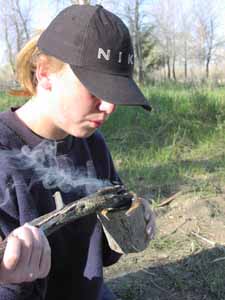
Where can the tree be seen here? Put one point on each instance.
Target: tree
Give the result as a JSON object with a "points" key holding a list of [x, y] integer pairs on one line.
{"points": [[184, 33], [206, 36], [133, 13], [64, 3], [207, 40], [134, 20], [15, 23], [80, 2], [165, 31], [185, 41]]}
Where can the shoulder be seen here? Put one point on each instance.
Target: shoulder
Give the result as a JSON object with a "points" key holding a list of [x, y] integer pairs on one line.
{"points": [[97, 140], [8, 138], [98, 147], [102, 157], [97, 136]]}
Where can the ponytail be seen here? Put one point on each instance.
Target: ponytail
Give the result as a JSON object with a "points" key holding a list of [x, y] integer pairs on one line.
{"points": [[26, 62], [25, 69]]}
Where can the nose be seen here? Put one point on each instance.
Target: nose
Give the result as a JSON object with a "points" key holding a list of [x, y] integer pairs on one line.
{"points": [[106, 107]]}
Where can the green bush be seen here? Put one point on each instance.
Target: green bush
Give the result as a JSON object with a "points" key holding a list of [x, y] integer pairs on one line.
{"points": [[179, 144]]}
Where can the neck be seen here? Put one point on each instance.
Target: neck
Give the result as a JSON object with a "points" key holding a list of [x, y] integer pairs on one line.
{"points": [[34, 114]]}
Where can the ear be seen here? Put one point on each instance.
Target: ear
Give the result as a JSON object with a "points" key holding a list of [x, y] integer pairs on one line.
{"points": [[42, 75]]}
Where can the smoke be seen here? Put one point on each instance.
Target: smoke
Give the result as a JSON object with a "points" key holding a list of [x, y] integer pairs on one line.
{"points": [[53, 171]]}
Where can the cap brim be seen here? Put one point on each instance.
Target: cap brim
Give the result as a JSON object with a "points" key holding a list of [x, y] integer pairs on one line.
{"points": [[112, 88]]}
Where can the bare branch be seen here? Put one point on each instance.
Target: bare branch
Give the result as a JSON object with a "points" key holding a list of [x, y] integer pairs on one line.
{"points": [[14, 20], [112, 198], [23, 19]]}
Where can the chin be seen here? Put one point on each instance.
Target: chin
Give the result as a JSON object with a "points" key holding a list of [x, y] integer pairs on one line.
{"points": [[84, 134]]}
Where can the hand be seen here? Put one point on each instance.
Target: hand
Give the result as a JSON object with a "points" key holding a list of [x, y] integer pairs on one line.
{"points": [[150, 219], [27, 256]]}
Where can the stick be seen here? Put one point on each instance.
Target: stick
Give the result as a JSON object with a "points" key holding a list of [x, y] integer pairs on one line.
{"points": [[109, 197], [212, 243], [170, 199]]}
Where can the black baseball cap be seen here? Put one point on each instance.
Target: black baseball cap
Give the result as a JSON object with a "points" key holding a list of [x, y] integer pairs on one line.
{"points": [[97, 46]]}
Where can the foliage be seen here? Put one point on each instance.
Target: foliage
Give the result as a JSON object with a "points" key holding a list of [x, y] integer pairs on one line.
{"points": [[180, 143], [7, 101]]}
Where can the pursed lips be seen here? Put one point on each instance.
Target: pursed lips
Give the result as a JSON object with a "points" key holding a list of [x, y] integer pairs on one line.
{"points": [[99, 120], [97, 123]]}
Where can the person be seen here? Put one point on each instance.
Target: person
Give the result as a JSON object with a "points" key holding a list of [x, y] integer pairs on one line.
{"points": [[75, 73], [27, 256]]}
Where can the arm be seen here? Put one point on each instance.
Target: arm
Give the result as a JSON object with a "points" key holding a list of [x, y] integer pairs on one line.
{"points": [[149, 215], [23, 242], [106, 170]]}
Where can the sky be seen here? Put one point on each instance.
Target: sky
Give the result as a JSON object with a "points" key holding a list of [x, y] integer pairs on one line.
{"points": [[44, 12], [41, 20]]}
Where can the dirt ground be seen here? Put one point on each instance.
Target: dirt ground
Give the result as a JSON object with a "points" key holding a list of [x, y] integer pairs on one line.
{"points": [[185, 261]]}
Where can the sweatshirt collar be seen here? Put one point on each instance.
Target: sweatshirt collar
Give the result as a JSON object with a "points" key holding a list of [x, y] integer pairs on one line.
{"points": [[29, 137]]}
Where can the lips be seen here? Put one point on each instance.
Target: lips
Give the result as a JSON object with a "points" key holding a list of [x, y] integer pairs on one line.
{"points": [[96, 123]]}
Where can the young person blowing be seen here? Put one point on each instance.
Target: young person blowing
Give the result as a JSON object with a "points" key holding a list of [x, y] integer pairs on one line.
{"points": [[76, 73]]}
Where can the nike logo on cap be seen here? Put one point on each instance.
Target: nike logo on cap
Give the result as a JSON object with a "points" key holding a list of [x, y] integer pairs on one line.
{"points": [[107, 56]]}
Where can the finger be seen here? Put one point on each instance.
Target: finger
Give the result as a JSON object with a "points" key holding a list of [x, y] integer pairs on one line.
{"points": [[147, 209], [147, 216], [45, 261], [12, 253], [10, 262], [37, 245], [26, 237], [151, 228], [41, 255]]}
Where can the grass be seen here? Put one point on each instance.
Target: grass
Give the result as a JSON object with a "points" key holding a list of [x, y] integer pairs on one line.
{"points": [[6, 101], [179, 144], [187, 279]]}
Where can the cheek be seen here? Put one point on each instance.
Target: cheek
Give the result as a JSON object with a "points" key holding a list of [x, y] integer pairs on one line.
{"points": [[63, 114], [70, 105], [68, 115]]}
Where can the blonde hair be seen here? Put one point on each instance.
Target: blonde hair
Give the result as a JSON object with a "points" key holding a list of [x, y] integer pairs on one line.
{"points": [[26, 62]]}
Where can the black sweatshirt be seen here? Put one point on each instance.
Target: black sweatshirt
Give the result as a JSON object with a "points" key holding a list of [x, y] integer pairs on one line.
{"points": [[28, 164]]}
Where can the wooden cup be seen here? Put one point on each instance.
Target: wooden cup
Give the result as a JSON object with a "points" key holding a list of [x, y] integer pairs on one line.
{"points": [[125, 230]]}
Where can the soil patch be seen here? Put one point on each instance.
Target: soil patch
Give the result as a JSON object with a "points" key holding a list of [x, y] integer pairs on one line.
{"points": [[185, 261]]}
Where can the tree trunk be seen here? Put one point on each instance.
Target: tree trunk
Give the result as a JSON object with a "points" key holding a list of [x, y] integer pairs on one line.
{"points": [[174, 68], [24, 22], [168, 67], [140, 74], [138, 43], [208, 60], [18, 34], [81, 2], [185, 60], [207, 66], [185, 70], [210, 47], [9, 48]]}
